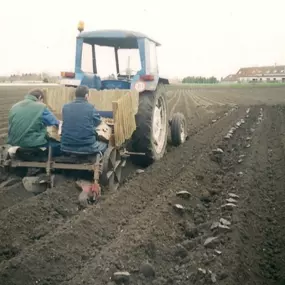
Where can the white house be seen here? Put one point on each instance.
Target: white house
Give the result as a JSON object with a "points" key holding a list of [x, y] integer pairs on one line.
{"points": [[262, 74]]}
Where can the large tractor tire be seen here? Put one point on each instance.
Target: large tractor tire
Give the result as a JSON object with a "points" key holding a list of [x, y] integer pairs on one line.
{"points": [[150, 136]]}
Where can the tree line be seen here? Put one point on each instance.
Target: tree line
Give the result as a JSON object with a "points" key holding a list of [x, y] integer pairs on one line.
{"points": [[200, 79]]}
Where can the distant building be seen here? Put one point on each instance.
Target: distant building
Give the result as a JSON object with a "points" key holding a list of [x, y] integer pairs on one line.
{"points": [[275, 73], [175, 80]]}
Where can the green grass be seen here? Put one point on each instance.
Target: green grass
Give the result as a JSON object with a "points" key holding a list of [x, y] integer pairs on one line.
{"points": [[229, 85]]}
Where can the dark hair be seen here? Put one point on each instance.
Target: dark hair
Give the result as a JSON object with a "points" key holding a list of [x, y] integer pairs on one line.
{"points": [[37, 93], [81, 91]]}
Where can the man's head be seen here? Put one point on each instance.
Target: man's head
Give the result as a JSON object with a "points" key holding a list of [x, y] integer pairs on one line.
{"points": [[82, 92], [38, 93]]}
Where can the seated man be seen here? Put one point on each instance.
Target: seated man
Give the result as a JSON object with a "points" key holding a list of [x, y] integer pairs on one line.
{"points": [[28, 121], [80, 119]]}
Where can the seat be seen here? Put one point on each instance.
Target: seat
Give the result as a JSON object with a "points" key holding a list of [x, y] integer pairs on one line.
{"points": [[76, 158], [29, 154]]}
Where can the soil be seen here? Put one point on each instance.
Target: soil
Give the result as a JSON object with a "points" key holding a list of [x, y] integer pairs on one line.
{"points": [[47, 239]]}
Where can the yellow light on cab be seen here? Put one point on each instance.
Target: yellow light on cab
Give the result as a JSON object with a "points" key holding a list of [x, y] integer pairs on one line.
{"points": [[80, 26]]}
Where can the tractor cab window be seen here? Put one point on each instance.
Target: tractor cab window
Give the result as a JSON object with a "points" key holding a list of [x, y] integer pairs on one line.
{"points": [[129, 61], [151, 57], [105, 61], [86, 60]]}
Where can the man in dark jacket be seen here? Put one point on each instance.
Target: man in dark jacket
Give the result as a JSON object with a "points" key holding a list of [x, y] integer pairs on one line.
{"points": [[80, 120], [28, 121]]}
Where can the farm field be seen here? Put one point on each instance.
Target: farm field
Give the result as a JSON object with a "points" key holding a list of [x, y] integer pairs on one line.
{"points": [[229, 231]]}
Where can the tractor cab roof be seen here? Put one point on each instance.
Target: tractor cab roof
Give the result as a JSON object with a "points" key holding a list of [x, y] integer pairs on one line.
{"points": [[114, 38]]}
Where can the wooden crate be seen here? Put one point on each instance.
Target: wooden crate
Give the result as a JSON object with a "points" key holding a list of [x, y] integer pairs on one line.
{"points": [[123, 104]]}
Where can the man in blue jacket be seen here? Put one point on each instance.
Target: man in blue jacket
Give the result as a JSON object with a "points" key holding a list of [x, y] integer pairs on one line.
{"points": [[80, 119]]}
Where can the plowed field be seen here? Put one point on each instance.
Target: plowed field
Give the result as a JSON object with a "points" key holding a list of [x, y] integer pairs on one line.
{"points": [[228, 230]]}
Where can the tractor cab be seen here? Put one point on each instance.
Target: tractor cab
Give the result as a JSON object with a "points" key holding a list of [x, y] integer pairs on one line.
{"points": [[144, 77]]}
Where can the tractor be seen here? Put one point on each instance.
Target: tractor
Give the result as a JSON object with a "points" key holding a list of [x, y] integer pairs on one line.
{"points": [[134, 108], [150, 136]]}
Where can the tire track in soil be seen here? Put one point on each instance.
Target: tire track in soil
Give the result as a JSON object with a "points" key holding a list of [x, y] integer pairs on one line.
{"points": [[210, 101], [199, 118], [58, 256], [174, 107], [193, 115], [201, 102], [171, 100]]}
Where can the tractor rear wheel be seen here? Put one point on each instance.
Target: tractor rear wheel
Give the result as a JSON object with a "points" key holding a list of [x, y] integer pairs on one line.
{"points": [[150, 136]]}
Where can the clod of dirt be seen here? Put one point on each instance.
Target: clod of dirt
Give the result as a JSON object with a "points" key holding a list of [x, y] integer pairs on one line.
{"points": [[228, 206], [191, 231], [225, 222], [215, 225], [223, 228], [220, 227], [206, 196], [240, 173], [147, 270], [183, 194], [200, 214], [121, 277], [240, 161], [231, 200], [180, 251], [10, 182], [222, 276], [248, 138], [139, 171], [214, 191], [189, 244], [83, 199], [232, 195], [248, 146], [199, 177], [213, 277], [211, 242]]}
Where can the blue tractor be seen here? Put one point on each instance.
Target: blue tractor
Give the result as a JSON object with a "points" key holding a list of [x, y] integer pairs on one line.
{"points": [[152, 119]]}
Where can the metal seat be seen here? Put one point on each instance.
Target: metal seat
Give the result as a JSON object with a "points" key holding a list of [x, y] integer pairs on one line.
{"points": [[32, 154], [76, 158]]}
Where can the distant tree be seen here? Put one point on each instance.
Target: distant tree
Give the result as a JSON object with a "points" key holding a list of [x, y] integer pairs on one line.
{"points": [[45, 80], [200, 80]]}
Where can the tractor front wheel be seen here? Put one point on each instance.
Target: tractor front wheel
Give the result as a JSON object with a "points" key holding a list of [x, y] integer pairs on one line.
{"points": [[150, 136], [178, 129]]}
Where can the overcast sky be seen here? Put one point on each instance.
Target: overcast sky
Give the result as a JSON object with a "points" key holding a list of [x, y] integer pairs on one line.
{"points": [[201, 37]]}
